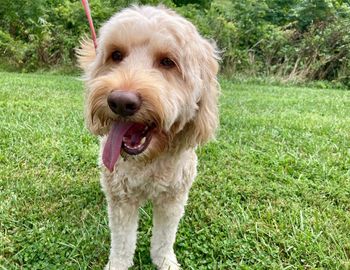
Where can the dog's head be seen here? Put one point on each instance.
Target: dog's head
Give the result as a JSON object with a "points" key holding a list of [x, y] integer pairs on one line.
{"points": [[151, 85]]}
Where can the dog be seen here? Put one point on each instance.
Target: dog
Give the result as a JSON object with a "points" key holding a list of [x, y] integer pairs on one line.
{"points": [[151, 97]]}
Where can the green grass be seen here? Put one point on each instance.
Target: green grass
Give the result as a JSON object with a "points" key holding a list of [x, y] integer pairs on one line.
{"points": [[273, 192]]}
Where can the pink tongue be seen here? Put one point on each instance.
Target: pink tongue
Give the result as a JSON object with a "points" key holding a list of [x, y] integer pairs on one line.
{"points": [[111, 151]]}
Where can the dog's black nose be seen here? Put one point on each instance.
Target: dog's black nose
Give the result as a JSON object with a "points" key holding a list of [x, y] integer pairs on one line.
{"points": [[124, 103]]}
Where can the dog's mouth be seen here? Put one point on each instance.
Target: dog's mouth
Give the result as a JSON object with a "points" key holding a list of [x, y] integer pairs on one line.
{"points": [[137, 138], [133, 138]]}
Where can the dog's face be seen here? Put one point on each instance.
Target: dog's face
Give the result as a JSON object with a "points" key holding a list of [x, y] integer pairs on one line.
{"points": [[151, 84]]}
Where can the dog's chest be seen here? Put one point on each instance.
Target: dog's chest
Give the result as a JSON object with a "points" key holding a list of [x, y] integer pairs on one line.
{"points": [[167, 175]]}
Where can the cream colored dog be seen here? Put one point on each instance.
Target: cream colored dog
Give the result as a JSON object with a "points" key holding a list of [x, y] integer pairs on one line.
{"points": [[152, 97]]}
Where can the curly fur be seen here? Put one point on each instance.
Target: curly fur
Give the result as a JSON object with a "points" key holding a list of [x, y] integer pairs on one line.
{"points": [[182, 102]]}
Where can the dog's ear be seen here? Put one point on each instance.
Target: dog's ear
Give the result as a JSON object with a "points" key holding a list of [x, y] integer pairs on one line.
{"points": [[202, 58], [206, 120], [86, 54], [202, 128]]}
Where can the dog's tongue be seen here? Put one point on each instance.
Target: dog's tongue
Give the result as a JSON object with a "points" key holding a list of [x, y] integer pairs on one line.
{"points": [[111, 151]]}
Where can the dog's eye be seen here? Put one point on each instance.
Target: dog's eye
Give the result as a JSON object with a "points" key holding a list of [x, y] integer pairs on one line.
{"points": [[117, 56], [167, 63]]}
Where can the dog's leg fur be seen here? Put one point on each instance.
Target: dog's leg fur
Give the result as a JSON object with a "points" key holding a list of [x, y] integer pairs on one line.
{"points": [[166, 216], [123, 219]]}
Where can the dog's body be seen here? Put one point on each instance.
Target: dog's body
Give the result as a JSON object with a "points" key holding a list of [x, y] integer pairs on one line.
{"points": [[152, 96]]}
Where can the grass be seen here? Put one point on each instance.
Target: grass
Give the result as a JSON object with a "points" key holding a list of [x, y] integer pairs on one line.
{"points": [[273, 192]]}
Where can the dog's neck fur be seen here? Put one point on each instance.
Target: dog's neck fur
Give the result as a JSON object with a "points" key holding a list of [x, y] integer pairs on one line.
{"points": [[149, 178]]}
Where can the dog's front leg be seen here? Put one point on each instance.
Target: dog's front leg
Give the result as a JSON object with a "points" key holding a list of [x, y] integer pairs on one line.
{"points": [[123, 219], [166, 216]]}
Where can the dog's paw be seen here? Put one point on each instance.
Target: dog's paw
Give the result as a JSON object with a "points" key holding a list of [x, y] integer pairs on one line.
{"points": [[115, 266], [164, 263]]}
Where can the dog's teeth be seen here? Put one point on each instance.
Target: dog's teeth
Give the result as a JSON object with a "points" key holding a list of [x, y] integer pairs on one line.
{"points": [[143, 141]]}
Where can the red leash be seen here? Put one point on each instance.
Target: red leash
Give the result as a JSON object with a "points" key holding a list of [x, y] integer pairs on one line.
{"points": [[91, 24]]}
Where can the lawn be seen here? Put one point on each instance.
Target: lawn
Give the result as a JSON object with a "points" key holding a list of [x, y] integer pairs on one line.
{"points": [[273, 191]]}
